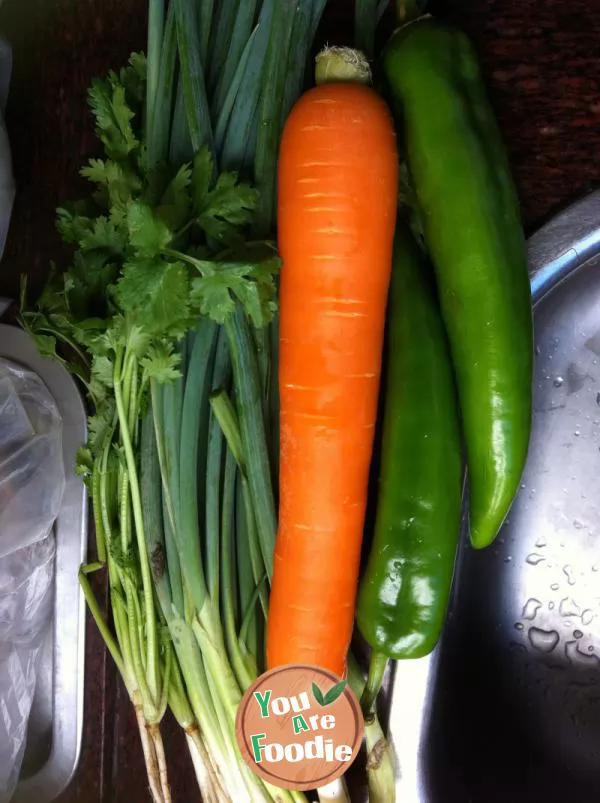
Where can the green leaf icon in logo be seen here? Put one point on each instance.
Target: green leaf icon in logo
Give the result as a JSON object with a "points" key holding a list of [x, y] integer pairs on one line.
{"points": [[318, 694], [331, 696]]}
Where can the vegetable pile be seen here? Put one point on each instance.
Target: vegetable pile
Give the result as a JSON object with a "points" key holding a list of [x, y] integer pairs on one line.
{"points": [[234, 409]]}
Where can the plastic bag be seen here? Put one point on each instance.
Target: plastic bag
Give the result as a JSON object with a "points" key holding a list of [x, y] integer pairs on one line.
{"points": [[32, 482], [32, 476]]}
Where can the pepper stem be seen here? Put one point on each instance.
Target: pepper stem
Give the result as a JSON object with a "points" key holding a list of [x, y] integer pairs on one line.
{"points": [[377, 666], [342, 65]]}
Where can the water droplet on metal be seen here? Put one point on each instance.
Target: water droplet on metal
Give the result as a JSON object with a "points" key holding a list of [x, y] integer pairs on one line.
{"points": [[550, 606], [538, 350], [577, 634], [543, 640], [531, 608], [577, 433], [508, 559], [587, 617], [534, 559], [554, 586], [541, 542], [580, 658], [568, 607], [577, 524], [558, 382], [568, 573], [519, 626]]}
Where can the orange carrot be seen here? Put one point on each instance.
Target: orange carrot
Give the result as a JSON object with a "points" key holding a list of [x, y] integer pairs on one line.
{"points": [[338, 184]]}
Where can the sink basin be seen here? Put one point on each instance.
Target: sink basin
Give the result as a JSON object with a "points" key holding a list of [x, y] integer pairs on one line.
{"points": [[507, 708], [55, 721]]}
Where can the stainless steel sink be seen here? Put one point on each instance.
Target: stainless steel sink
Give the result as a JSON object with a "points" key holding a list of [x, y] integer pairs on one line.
{"points": [[54, 733], [508, 706]]}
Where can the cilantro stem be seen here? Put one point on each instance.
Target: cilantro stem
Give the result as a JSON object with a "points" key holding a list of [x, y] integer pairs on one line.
{"points": [[107, 636], [124, 512], [133, 624], [150, 614], [68, 341], [97, 511]]}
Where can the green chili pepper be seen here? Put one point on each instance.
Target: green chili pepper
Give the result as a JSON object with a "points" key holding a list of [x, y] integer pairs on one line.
{"points": [[404, 592], [469, 212]]}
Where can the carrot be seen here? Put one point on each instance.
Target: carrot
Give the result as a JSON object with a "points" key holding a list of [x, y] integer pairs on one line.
{"points": [[338, 184]]}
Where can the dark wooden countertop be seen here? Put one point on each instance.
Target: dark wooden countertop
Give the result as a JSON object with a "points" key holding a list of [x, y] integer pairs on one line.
{"points": [[542, 61]]}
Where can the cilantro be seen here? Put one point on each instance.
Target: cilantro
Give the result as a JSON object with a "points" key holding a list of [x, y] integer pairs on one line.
{"points": [[148, 259], [117, 185], [113, 118], [148, 234], [72, 227], [226, 208], [133, 77], [102, 370], [175, 204], [103, 234], [251, 282], [162, 363], [157, 294]]}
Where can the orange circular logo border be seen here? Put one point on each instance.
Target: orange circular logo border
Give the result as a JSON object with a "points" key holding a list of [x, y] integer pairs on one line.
{"points": [[243, 735]]}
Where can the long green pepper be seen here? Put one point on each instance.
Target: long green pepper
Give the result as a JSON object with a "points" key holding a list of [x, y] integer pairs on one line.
{"points": [[469, 213], [404, 592]]}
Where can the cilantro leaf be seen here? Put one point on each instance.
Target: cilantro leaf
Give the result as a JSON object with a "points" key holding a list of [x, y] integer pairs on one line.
{"points": [[72, 227], [223, 210], [102, 370], [104, 234], [117, 186], [213, 297], [89, 277], [251, 283], [175, 204], [46, 344], [113, 118], [157, 293], [133, 77], [148, 234], [162, 363]]}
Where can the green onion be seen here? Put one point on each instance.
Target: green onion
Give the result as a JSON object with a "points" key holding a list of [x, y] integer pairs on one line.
{"points": [[365, 21]]}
